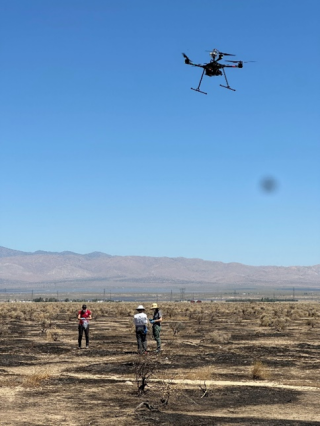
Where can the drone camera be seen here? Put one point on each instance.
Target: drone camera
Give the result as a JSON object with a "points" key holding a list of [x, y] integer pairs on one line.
{"points": [[240, 64]]}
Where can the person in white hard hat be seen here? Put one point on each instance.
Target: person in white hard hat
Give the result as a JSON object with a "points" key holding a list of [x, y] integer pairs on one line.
{"points": [[156, 325], [140, 321]]}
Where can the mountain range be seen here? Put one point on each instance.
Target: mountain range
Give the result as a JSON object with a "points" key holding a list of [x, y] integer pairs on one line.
{"points": [[70, 270]]}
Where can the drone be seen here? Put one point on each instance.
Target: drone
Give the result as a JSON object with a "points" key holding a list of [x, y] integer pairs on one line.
{"points": [[214, 68]]}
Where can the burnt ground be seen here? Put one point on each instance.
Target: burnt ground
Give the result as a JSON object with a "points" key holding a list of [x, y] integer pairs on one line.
{"points": [[204, 375]]}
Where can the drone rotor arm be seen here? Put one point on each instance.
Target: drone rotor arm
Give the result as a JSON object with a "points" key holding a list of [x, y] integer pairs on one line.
{"points": [[240, 62], [197, 65], [189, 62], [230, 66]]}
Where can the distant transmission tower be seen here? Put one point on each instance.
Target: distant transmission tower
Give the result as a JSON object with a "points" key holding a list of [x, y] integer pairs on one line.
{"points": [[182, 294]]}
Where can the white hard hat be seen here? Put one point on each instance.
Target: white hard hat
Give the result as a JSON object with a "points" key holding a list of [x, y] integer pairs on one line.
{"points": [[140, 308]]}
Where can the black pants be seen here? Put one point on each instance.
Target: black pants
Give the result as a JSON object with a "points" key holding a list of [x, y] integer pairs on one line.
{"points": [[141, 340], [81, 329]]}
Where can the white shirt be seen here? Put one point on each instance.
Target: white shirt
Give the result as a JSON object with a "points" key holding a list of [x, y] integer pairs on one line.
{"points": [[140, 319]]}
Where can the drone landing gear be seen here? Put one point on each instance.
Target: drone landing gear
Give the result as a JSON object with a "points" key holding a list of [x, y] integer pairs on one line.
{"points": [[198, 88], [200, 91], [226, 87]]}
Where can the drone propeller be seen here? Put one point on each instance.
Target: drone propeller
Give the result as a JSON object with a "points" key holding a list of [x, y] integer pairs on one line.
{"points": [[220, 53], [227, 54]]}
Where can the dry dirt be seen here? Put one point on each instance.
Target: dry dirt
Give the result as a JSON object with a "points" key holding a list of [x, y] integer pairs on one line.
{"points": [[204, 375]]}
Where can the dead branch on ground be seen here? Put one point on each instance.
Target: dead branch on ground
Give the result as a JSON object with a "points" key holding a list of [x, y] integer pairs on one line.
{"points": [[204, 389]]}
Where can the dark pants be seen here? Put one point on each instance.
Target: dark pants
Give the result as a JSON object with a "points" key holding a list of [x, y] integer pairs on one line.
{"points": [[81, 329], [156, 335], [141, 340]]}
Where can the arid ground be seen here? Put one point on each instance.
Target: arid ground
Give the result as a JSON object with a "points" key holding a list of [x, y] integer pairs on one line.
{"points": [[221, 364]]}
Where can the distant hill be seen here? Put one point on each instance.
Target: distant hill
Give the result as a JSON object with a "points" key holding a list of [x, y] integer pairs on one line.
{"points": [[83, 271]]}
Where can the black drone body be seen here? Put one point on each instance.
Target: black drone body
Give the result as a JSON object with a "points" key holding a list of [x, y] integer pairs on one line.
{"points": [[214, 67]]}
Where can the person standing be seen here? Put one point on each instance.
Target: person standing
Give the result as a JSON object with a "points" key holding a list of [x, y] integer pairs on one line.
{"points": [[156, 325], [140, 321], [84, 315]]}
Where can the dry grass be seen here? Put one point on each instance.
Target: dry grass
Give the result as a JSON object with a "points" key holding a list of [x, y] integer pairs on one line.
{"points": [[36, 378], [201, 373], [218, 337], [259, 371], [10, 381]]}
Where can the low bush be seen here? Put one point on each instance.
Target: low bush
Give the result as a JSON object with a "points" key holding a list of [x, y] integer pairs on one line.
{"points": [[259, 371]]}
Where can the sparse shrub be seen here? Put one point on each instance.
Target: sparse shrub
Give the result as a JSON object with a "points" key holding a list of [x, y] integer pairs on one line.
{"points": [[266, 321], [280, 324], [36, 378], [144, 368], [296, 314], [217, 337], [259, 371], [189, 313], [211, 316], [170, 312], [123, 311], [311, 322], [4, 329], [166, 392], [53, 334], [200, 317], [19, 316], [131, 326], [176, 327], [248, 314], [45, 324]]}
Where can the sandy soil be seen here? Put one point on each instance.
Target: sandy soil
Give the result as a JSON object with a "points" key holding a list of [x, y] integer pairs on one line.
{"points": [[204, 375]]}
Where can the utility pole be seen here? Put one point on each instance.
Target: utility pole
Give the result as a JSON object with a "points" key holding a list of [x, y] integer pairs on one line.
{"points": [[104, 294]]}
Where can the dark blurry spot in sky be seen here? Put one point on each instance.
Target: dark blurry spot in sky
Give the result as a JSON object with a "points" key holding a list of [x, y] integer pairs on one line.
{"points": [[269, 184]]}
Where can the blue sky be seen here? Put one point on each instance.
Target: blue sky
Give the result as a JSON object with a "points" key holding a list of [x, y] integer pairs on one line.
{"points": [[104, 147]]}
